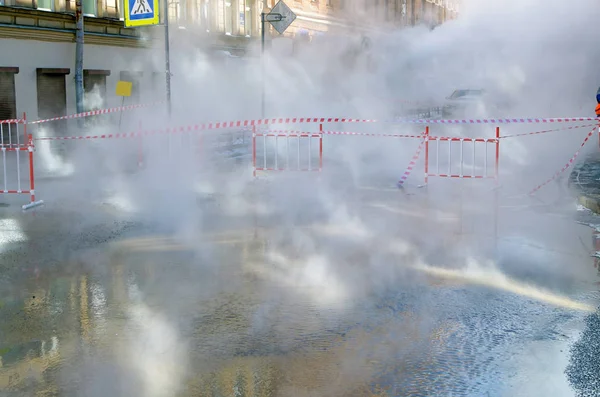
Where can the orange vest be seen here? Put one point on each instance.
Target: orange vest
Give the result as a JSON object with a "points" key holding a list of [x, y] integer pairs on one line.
{"points": [[598, 110]]}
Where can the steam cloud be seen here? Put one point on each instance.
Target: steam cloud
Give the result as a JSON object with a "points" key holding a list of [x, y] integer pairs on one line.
{"points": [[333, 251]]}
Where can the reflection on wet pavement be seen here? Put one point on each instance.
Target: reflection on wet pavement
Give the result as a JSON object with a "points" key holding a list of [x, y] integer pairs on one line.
{"points": [[253, 313]]}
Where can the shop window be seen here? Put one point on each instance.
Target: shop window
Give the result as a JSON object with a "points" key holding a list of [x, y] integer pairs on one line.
{"points": [[94, 88]]}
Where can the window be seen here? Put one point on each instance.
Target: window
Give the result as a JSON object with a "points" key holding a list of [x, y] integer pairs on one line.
{"points": [[158, 85], [94, 88], [246, 20], [46, 5], [52, 97], [111, 9], [249, 18], [203, 12], [174, 12], [8, 104], [228, 18], [183, 12], [220, 17], [89, 7]]}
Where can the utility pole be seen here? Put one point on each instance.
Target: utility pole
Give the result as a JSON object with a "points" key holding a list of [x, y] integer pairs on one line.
{"points": [[263, 19], [280, 17], [79, 56], [167, 58]]}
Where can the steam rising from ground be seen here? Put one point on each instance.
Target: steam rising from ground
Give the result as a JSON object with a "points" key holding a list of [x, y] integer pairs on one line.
{"points": [[539, 54]]}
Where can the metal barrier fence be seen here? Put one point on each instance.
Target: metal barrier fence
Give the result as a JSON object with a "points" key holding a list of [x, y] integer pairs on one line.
{"points": [[14, 142], [230, 141], [308, 155], [477, 171]]}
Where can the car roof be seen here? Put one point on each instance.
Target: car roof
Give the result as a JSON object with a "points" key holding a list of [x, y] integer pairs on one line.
{"points": [[466, 93]]}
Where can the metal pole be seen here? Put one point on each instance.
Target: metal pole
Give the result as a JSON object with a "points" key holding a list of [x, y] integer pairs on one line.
{"points": [[167, 58], [79, 33], [263, 17]]}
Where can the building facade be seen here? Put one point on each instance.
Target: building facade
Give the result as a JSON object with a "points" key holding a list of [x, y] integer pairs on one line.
{"points": [[37, 68]]}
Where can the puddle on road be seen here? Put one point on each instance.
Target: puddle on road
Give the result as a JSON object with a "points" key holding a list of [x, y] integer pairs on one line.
{"points": [[240, 342], [147, 319]]}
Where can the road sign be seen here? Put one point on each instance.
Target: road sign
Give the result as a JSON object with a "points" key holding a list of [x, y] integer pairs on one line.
{"points": [[281, 17], [141, 12]]}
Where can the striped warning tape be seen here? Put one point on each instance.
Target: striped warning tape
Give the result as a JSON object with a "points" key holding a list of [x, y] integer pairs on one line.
{"points": [[495, 121], [546, 131], [295, 120], [295, 132], [370, 134], [248, 124], [118, 135], [95, 112], [567, 165], [12, 121], [411, 164], [264, 122], [100, 136]]}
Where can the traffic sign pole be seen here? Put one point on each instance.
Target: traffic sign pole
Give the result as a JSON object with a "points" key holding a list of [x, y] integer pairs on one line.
{"points": [[167, 59], [281, 17], [263, 18]]}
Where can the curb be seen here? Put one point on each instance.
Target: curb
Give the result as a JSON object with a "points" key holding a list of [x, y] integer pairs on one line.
{"points": [[589, 200], [591, 203]]}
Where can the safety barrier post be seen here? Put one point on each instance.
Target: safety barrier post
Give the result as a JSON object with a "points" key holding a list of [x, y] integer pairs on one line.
{"points": [[24, 127], [497, 154], [320, 147], [254, 151], [426, 154], [496, 202], [140, 147], [32, 203]]}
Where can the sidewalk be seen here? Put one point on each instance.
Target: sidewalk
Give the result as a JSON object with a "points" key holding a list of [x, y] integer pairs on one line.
{"points": [[584, 180]]}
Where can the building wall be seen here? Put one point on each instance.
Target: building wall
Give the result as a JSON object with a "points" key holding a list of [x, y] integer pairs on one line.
{"points": [[40, 34], [28, 55]]}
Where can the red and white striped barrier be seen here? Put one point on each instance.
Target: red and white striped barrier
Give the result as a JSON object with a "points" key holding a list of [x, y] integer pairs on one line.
{"points": [[12, 121], [100, 136], [265, 122], [96, 112], [294, 120], [323, 120], [11, 152], [461, 171], [547, 131], [371, 134], [349, 133], [567, 165], [304, 156], [345, 133], [495, 121], [411, 165], [247, 124]]}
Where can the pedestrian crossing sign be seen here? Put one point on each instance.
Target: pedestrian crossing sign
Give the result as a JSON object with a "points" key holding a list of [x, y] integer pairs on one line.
{"points": [[141, 12]]}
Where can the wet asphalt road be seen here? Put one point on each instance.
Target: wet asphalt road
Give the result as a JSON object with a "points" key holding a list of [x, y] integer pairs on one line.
{"points": [[95, 301]]}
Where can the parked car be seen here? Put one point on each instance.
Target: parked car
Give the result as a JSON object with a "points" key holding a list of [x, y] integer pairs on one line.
{"points": [[475, 103], [462, 102]]}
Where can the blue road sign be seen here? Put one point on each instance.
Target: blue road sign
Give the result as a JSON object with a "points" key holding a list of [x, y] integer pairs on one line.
{"points": [[141, 12]]}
